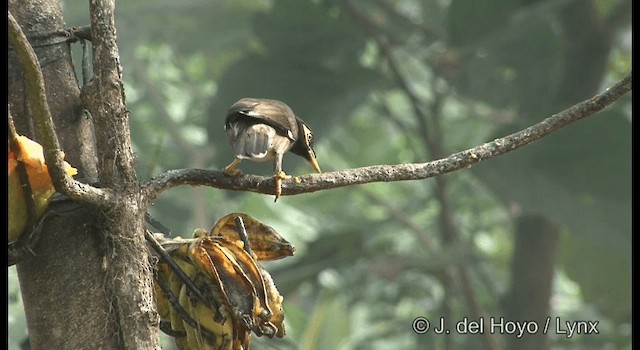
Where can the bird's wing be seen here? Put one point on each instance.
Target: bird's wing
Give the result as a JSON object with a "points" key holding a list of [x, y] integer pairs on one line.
{"points": [[271, 112]]}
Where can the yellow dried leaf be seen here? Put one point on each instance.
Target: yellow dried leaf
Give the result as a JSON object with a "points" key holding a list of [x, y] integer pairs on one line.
{"points": [[32, 156]]}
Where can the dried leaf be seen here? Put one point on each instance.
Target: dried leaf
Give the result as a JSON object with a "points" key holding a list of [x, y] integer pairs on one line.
{"points": [[265, 241]]}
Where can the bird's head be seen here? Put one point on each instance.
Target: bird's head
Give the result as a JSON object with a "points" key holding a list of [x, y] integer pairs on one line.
{"points": [[303, 145]]}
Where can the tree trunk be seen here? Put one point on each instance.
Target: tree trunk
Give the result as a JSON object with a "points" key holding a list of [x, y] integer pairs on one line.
{"points": [[88, 283], [532, 278]]}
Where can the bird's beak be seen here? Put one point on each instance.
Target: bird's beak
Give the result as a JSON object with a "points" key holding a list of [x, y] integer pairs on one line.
{"points": [[314, 163]]}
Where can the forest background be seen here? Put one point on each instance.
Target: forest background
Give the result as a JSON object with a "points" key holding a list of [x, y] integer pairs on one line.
{"points": [[389, 82]]}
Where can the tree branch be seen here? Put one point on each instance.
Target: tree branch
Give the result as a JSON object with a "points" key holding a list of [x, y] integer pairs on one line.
{"points": [[388, 173], [43, 121], [104, 98], [128, 281], [430, 32], [196, 155], [422, 235]]}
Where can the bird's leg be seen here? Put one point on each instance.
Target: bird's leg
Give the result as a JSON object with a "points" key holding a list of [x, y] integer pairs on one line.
{"points": [[279, 175], [231, 168]]}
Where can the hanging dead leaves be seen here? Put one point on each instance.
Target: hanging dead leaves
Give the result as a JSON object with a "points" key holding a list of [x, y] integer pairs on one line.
{"points": [[228, 295]]}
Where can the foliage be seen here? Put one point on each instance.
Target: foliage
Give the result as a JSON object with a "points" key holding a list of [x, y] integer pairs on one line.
{"points": [[371, 259]]}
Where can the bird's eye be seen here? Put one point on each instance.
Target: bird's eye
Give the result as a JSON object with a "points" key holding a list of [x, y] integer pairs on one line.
{"points": [[308, 135]]}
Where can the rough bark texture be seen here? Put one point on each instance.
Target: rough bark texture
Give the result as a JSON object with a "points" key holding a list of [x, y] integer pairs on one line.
{"points": [[38, 18], [62, 284], [104, 97], [129, 281], [90, 281]]}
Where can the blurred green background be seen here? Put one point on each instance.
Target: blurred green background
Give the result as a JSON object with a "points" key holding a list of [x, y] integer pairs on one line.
{"points": [[387, 82]]}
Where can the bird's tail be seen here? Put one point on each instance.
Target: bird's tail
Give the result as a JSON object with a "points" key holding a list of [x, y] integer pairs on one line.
{"points": [[256, 144]]}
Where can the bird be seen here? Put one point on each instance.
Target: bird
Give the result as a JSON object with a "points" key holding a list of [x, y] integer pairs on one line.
{"points": [[262, 129]]}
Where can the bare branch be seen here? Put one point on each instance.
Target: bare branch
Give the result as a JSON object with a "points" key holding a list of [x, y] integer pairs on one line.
{"points": [[430, 32], [421, 234], [172, 127], [387, 52], [38, 101], [36, 95], [388, 173], [104, 98], [129, 275]]}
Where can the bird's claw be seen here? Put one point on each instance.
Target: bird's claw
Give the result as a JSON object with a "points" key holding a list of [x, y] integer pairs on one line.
{"points": [[232, 168], [282, 175], [278, 177], [232, 171]]}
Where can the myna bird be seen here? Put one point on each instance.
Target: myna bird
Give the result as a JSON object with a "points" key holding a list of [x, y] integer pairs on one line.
{"points": [[262, 129]]}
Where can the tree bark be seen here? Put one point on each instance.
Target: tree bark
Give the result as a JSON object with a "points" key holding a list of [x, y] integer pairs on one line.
{"points": [[129, 281], [62, 283], [532, 274], [89, 281]]}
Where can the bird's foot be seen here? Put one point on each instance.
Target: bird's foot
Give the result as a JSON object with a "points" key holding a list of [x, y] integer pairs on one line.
{"points": [[282, 175], [232, 171], [278, 177]]}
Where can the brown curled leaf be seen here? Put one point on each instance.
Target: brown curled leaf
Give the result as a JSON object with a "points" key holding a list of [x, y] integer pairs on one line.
{"points": [[265, 241], [228, 264], [236, 291], [252, 270]]}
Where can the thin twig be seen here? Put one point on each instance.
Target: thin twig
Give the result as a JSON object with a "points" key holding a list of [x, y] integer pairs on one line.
{"points": [[184, 315], [38, 99], [430, 130], [387, 52], [170, 125], [421, 234], [242, 232], [166, 258], [157, 225], [404, 129], [430, 32]]}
